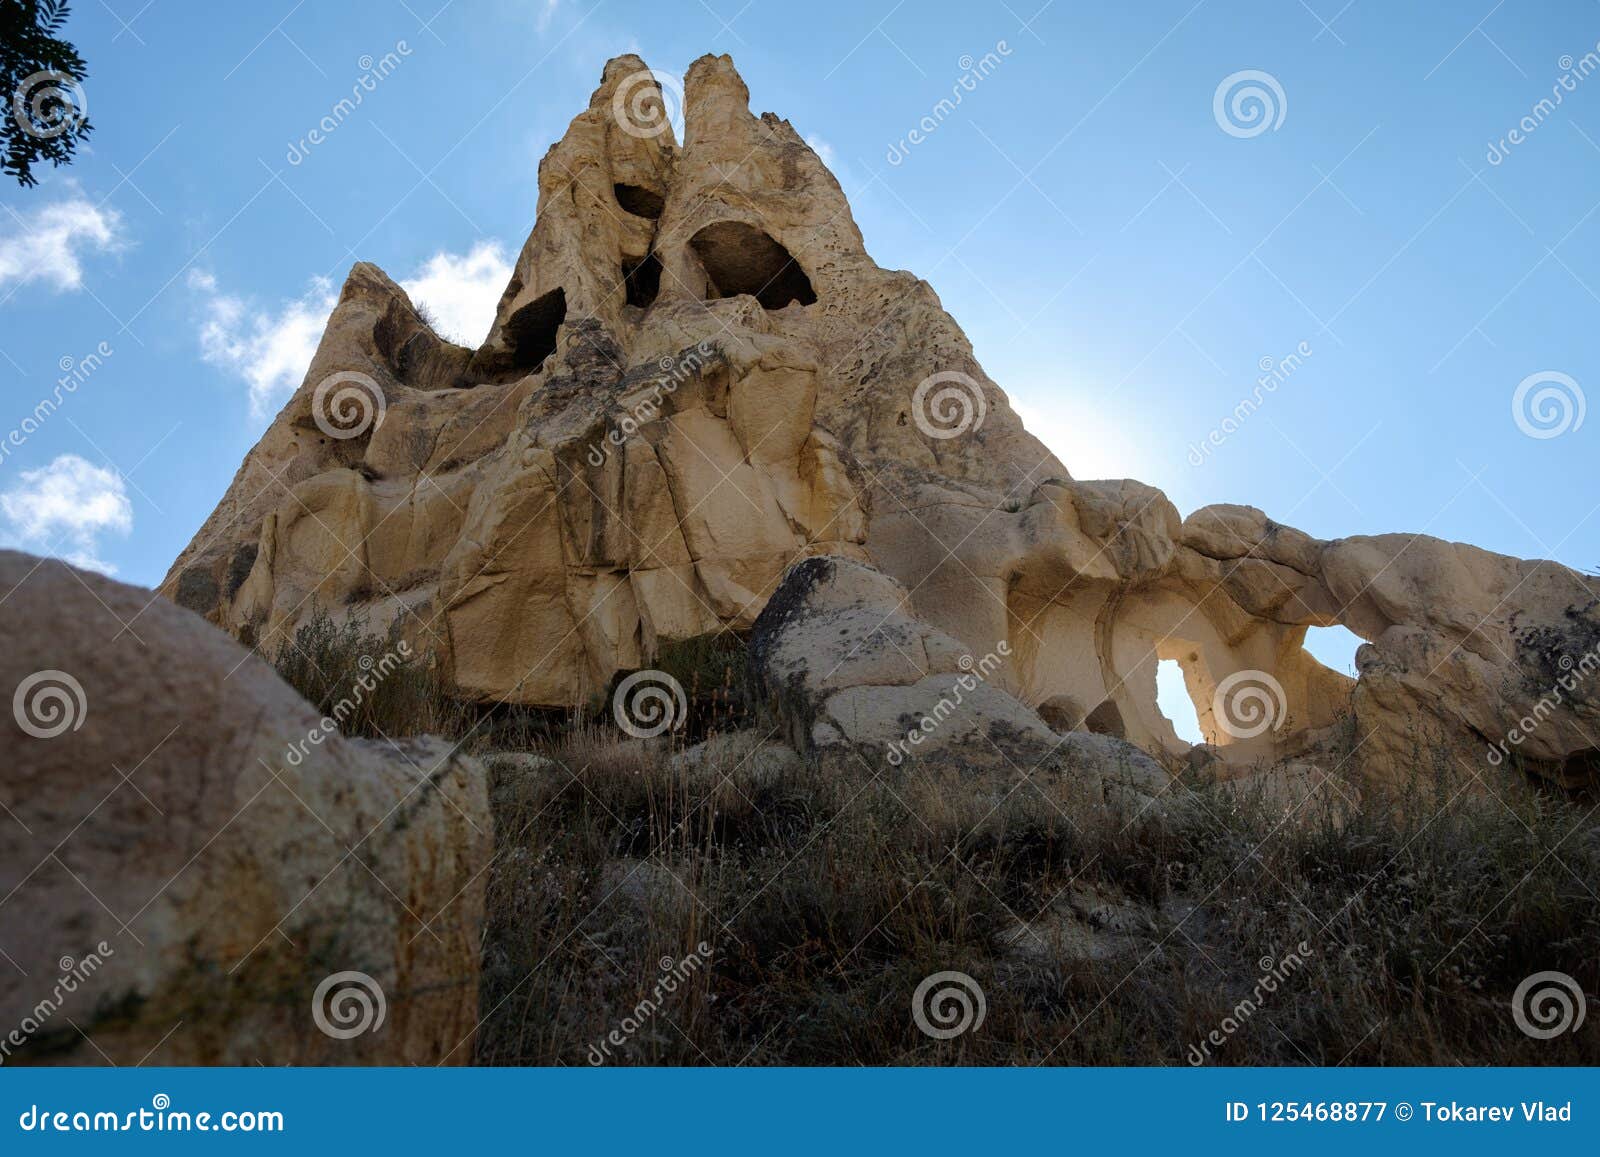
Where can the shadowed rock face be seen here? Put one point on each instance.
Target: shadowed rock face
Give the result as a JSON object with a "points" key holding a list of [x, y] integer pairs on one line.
{"points": [[697, 378]]}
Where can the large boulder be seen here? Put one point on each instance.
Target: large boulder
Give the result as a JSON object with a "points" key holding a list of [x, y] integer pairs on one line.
{"points": [[856, 680], [195, 869]]}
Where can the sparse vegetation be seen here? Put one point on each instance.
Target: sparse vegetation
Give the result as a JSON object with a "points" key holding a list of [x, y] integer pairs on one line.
{"points": [[375, 685], [829, 894], [828, 897]]}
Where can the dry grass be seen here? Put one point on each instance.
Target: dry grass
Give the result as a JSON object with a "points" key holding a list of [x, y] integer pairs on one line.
{"points": [[829, 896], [829, 893]]}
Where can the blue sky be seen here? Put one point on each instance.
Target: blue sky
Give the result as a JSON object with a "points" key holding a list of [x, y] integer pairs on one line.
{"points": [[1123, 262]]}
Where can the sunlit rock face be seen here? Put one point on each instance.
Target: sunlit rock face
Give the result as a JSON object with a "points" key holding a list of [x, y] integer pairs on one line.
{"points": [[697, 378]]}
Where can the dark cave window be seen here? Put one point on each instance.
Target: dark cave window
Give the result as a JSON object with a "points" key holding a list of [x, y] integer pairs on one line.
{"points": [[639, 201], [642, 278], [740, 258], [530, 334]]}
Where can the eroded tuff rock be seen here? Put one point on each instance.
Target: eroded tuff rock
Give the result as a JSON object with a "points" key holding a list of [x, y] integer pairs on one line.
{"points": [[165, 850], [697, 378]]}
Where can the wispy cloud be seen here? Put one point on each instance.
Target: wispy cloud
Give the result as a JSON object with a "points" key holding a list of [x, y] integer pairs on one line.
{"points": [[270, 349], [48, 243], [63, 509], [462, 290]]}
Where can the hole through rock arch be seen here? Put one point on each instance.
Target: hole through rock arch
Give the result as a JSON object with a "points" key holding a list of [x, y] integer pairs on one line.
{"points": [[740, 258], [1175, 703]]}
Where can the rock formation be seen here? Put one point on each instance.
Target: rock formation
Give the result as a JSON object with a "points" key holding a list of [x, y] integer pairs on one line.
{"points": [[697, 378], [195, 869]]}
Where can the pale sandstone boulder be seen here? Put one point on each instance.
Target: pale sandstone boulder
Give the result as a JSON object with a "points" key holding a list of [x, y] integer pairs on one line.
{"points": [[858, 682], [180, 817]]}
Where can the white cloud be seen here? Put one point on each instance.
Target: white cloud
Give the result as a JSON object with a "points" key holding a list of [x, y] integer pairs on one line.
{"points": [[48, 243], [823, 149], [462, 291], [548, 13], [62, 509], [271, 349]]}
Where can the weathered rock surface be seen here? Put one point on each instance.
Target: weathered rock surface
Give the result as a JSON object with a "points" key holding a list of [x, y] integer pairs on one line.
{"points": [[698, 378], [158, 826], [856, 680]]}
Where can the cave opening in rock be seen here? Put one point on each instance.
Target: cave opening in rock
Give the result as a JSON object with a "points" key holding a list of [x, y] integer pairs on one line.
{"points": [[1106, 719], [740, 258], [639, 201], [530, 333], [1174, 702], [641, 278]]}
